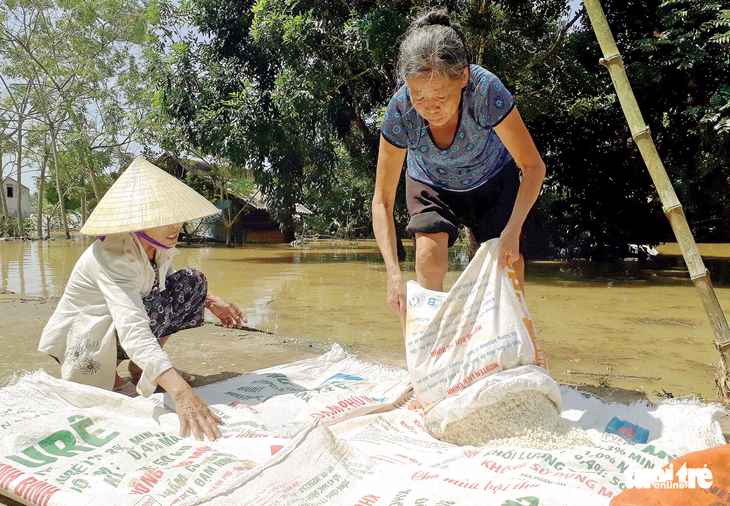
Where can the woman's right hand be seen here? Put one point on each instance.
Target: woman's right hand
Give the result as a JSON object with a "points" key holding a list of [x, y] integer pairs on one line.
{"points": [[396, 297], [193, 412]]}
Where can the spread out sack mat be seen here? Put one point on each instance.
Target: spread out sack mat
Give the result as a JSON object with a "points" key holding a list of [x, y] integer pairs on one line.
{"points": [[324, 431]]}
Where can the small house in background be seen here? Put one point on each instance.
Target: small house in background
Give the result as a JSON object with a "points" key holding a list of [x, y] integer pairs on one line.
{"points": [[253, 222], [181, 167], [13, 193]]}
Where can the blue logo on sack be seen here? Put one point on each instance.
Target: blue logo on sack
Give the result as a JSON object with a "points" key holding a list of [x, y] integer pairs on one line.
{"points": [[340, 375], [415, 301], [435, 301], [627, 431]]}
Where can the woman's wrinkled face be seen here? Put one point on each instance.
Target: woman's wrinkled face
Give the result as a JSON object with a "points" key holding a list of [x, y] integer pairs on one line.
{"points": [[437, 98], [166, 235]]}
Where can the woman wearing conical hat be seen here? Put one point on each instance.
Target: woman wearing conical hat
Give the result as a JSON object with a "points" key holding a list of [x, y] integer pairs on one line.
{"points": [[124, 298]]}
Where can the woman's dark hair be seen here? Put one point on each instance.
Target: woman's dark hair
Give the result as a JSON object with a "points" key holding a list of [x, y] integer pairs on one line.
{"points": [[433, 45]]}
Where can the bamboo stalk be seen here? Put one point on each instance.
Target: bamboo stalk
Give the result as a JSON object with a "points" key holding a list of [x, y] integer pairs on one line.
{"points": [[670, 203]]}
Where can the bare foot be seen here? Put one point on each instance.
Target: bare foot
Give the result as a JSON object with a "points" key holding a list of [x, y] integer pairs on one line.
{"points": [[135, 371], [124, 387], [415, 404], [118, 382]]}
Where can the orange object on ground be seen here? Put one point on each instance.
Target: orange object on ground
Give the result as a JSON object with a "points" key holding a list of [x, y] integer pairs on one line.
{"points": [[691, 471]]}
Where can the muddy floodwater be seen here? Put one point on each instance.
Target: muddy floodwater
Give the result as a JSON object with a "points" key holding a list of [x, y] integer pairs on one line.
{"points": [[635, 325]]}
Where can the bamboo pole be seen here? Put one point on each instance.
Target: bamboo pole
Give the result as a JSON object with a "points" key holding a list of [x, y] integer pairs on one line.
{"points": [[670, 203]]}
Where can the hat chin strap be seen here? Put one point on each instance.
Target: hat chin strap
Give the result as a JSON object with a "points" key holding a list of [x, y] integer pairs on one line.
{"points": [[144, 236]]}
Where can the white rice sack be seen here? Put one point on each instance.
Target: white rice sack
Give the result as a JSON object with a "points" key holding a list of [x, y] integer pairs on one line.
{"points": [[477, 329], [468, 348]]}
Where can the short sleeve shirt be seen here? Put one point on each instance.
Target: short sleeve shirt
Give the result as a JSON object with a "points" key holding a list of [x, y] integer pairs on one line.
{"points": [[476, 154]]}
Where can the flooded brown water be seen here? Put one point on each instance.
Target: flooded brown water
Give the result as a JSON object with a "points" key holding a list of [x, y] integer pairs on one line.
{"points": [[643, 320]]}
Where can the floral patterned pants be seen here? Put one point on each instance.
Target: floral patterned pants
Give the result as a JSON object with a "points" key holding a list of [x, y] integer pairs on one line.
{"points": [[181, 306]]}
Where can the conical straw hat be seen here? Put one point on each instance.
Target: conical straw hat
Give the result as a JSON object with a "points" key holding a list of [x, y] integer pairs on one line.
{"points": [[145, 197]]}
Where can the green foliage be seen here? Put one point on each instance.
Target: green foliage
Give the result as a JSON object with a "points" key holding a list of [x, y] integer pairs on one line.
{"points": [[9, 227], [203, 185], [294, 92], [243, 186], [689, 104], [70, 63], [343, 209], [723, 23], [599, 196], [718, 112], [75, 181]]}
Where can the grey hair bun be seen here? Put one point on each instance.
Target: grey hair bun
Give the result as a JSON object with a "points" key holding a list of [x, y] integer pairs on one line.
{"points": [[433, 44], [432, 17]]}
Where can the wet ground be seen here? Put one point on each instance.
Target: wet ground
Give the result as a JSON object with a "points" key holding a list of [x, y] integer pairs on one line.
{"points": [[637, 326]]}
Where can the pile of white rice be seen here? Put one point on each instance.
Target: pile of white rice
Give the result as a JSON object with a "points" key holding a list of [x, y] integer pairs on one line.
{"points": [[526, 419]]}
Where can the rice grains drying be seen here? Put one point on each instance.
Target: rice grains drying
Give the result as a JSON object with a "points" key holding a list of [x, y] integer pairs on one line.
{"points": [[527, 419]]}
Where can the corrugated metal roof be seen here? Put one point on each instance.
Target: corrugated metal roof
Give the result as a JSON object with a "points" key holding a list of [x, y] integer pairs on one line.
{"points": [[257, 200]]}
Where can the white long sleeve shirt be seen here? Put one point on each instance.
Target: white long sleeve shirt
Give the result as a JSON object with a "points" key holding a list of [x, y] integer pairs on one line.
{"points": [[104, 294]]}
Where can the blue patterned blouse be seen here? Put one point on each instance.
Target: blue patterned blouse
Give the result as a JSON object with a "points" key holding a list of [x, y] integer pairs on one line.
{"points": [[477, 153]]}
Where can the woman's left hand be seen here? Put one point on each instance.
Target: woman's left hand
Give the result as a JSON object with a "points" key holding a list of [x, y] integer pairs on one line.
{"points": [[229, 314]]}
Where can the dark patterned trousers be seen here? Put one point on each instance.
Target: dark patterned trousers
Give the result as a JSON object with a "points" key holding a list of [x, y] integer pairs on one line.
{"points": [[181, 306]]}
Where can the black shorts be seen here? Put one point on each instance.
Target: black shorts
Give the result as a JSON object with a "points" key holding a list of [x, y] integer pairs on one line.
{"points": [[485, 210]]}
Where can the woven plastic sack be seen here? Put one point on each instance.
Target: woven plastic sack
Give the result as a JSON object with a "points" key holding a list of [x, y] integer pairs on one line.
{"points": [[468, 348]]}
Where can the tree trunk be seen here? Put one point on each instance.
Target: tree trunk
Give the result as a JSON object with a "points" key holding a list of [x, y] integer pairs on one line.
{"points": [[4, 208], [3, 203], [672, 207], [41, 193], [229, 228], [83, 208], [89, 163], [83, 200], [94, 180], [62, 206], [226, 221], [287, 228], [370, 140], [19, 189]]}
